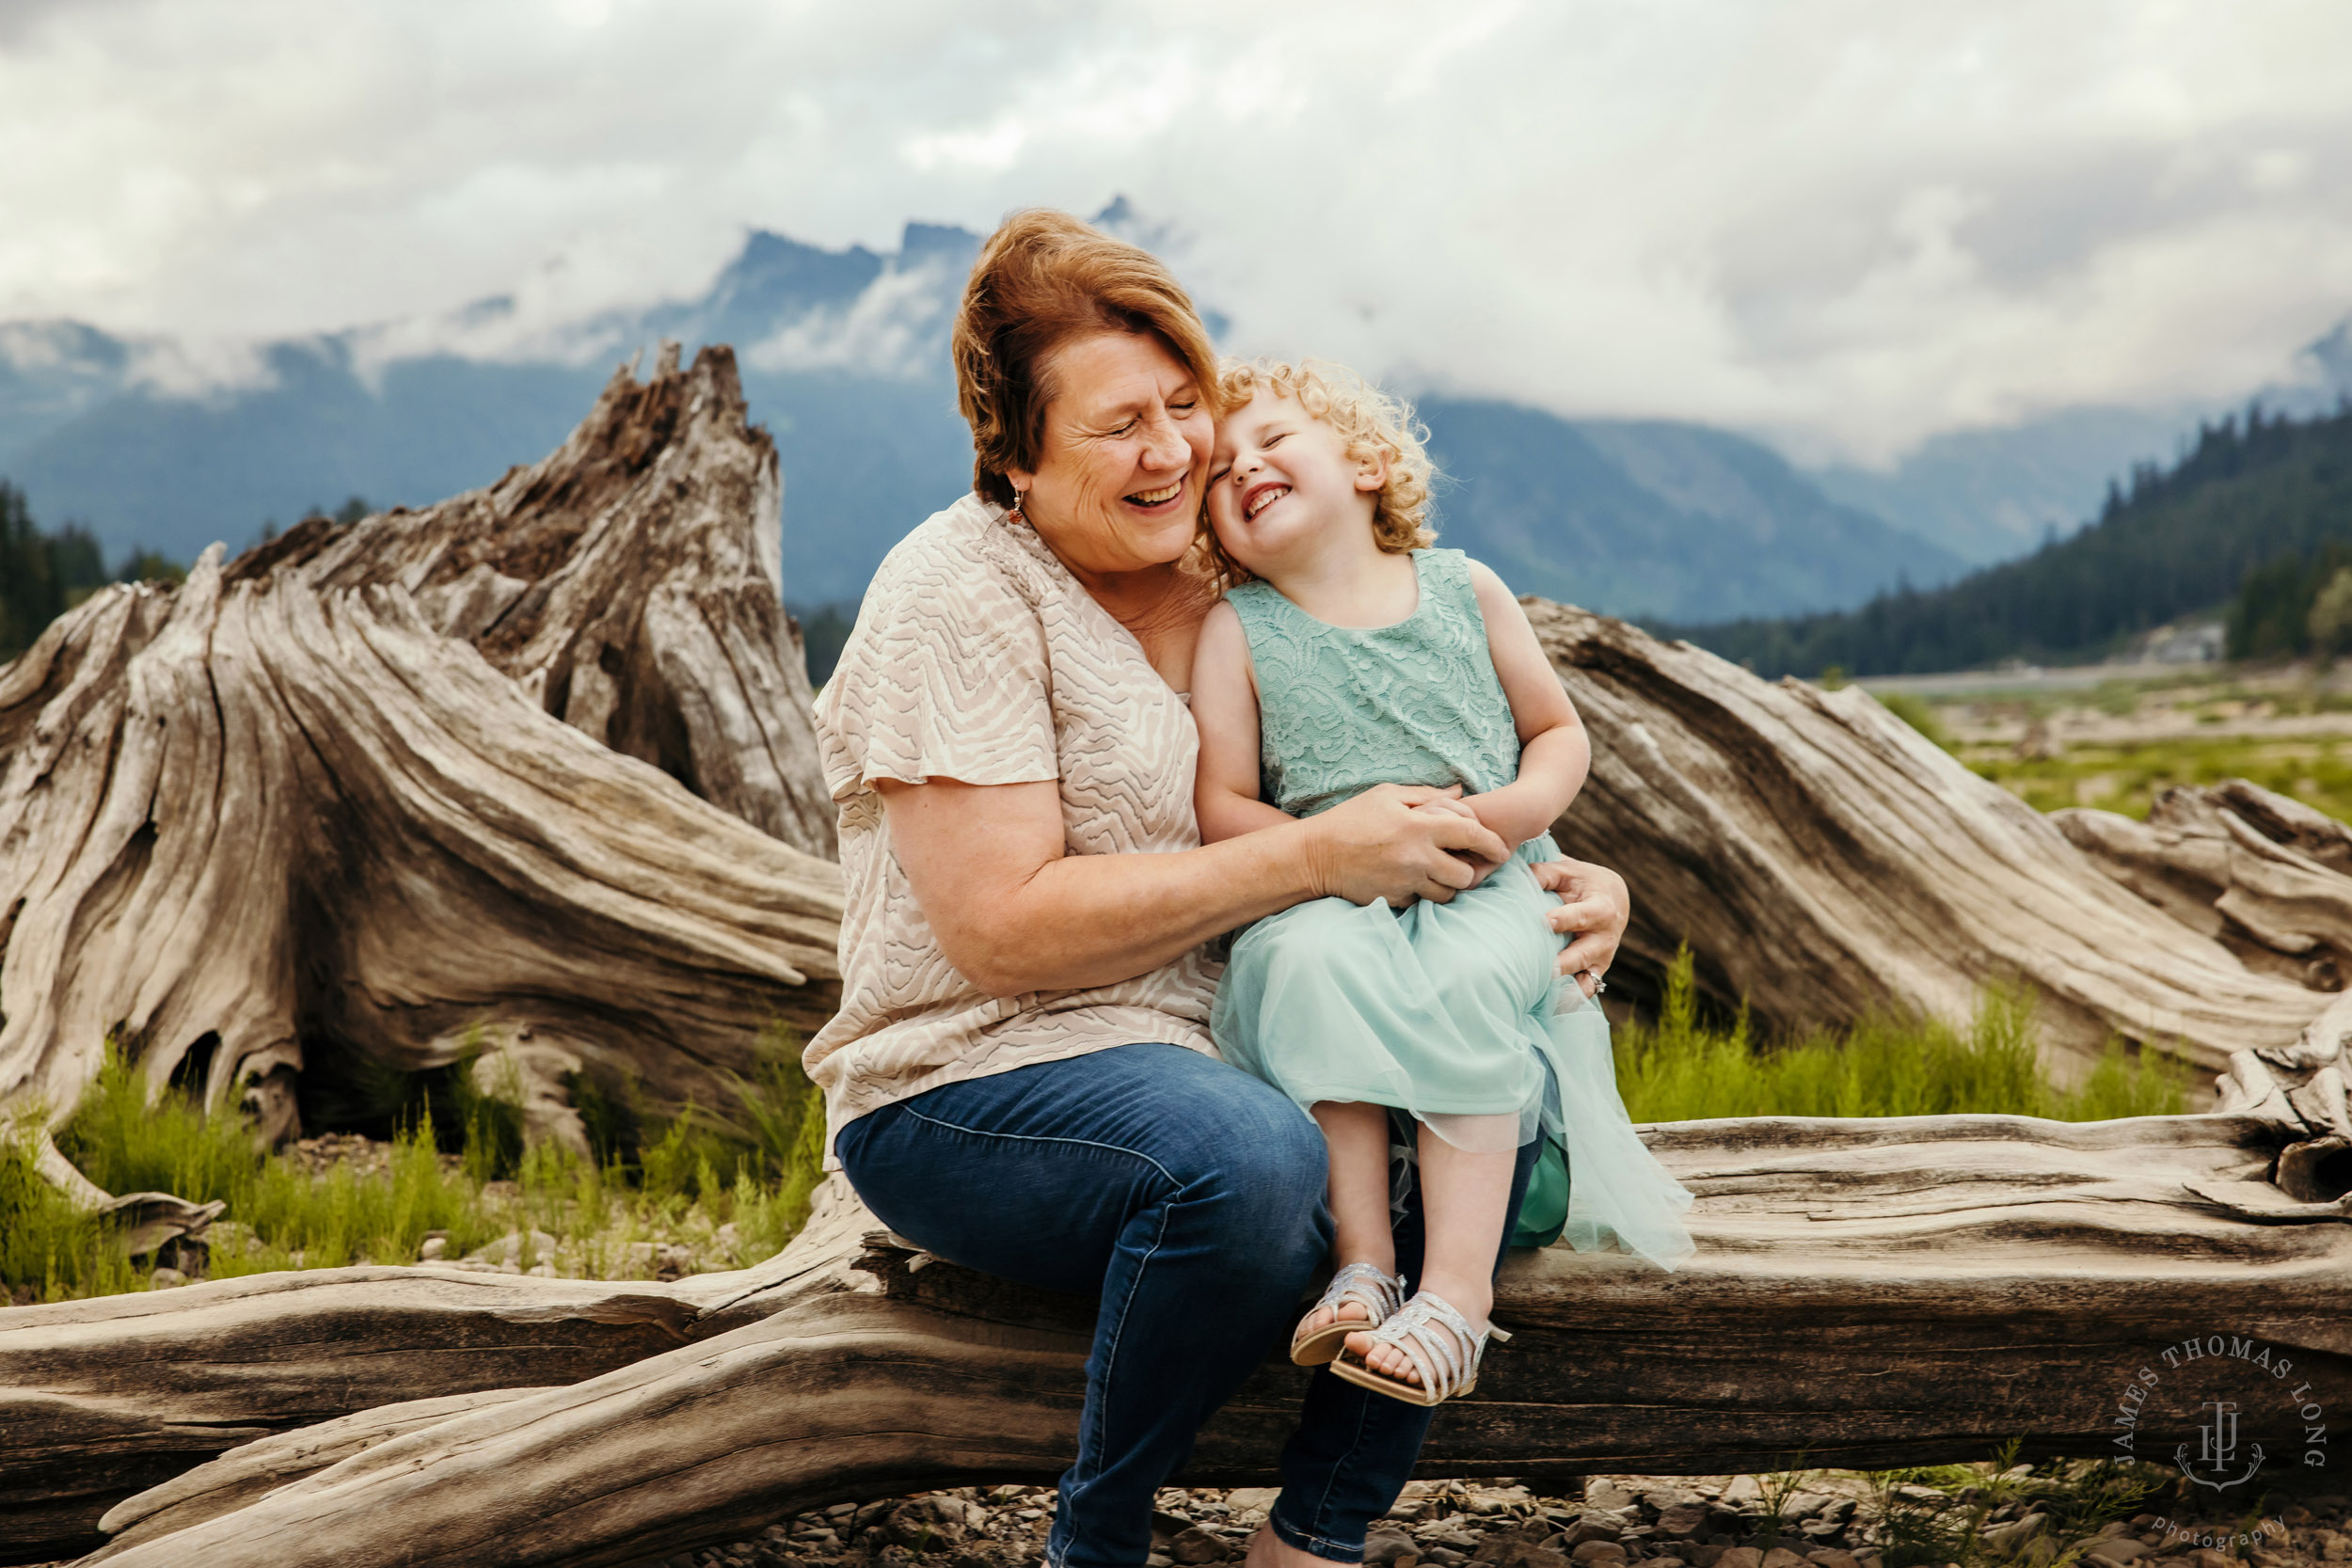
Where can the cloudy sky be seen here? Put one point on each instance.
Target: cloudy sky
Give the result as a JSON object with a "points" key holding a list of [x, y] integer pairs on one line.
{"points": [[1847, 221]]}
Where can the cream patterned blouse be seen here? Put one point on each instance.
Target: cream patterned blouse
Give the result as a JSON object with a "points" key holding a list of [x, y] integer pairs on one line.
{"points": [[977, 656]]}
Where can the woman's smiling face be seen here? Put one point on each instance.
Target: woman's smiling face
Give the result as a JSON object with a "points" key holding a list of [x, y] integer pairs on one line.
{"points": [[1125, 448], [1281, 483]]}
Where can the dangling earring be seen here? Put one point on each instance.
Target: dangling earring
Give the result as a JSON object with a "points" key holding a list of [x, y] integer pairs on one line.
{"points": [[1015, 516]]}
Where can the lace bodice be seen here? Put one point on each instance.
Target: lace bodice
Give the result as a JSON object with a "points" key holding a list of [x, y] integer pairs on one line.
{"points": [[1341, 708]]}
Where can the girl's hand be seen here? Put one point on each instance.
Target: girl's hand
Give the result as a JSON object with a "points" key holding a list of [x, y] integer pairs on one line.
{"points": [[1595, 903], [1398, 842]]}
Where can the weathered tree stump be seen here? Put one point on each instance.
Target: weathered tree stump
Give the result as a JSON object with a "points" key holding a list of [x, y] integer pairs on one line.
{"points": [[322, 798]]}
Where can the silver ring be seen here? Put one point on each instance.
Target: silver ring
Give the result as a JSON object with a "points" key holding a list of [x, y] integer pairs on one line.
{"points": [[1599, 985]]}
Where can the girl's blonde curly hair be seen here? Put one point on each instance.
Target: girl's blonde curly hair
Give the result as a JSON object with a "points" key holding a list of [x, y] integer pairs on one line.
{"points": [[1373, 422]]}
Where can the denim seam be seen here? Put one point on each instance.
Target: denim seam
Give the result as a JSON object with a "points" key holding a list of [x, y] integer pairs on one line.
{"points": [[1110, 1361], [1033, 1138]]}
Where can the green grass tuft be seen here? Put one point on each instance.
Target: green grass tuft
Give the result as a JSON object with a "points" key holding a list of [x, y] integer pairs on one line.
{"points": [[1681, 1070], [752, 1164]]}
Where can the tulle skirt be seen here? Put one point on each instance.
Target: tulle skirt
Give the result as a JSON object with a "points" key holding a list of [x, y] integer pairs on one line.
{"points": [[1451, 1013]]}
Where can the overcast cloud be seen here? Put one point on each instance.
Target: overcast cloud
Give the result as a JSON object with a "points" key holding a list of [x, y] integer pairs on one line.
{"points": [[1849, 223]]}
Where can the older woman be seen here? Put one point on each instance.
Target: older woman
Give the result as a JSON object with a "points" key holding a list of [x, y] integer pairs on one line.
{"points": [[1020, 1077]]}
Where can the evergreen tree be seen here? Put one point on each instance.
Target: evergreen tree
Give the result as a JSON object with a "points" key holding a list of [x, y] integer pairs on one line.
{"points": [[41, 575]]}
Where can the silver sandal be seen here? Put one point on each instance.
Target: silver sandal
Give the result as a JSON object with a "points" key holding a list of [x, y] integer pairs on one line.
{"points": [[1435, 1350], [1367, 1285]]}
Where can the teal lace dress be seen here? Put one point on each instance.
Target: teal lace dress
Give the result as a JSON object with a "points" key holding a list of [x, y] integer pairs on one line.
{"points": [[1448, 1012]]}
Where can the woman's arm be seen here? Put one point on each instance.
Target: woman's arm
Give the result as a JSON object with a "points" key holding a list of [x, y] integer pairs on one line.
{"points": [[1554, 751], [1015, 913], [1225, 711]]}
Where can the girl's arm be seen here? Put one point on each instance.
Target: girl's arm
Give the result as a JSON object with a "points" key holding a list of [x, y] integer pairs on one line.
{"points": [[1015, 911], [1554, 751], [1225, 711]]}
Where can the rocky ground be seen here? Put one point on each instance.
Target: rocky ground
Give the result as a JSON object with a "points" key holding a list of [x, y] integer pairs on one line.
{"points": [[1657, 1521]]}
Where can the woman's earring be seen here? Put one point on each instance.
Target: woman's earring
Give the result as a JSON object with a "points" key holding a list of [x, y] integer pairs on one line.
{"points": [[1015, 516]]}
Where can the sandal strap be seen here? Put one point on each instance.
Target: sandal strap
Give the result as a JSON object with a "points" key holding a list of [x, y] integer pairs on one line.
{"points": [[1369, 1286], [1444, 1352]]}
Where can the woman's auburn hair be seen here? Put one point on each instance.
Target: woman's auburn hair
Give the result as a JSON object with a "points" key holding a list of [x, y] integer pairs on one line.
{"points": [[1042, 280], [1374, 424]]}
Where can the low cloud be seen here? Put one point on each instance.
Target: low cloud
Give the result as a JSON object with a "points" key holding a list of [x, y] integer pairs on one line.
{"points": [[1848, 225]]}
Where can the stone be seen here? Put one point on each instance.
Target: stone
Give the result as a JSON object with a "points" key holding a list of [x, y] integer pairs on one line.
{"points": [[1593, 1529], [2208, 1557], [1704, 1554], [984, 1554], [1525, 1556], [1597, 1552], [1830, 1556], [1193, 1547], [2116, 1551], [2011, 1536], [1804, 1505], [926, 1523], [1385, 1546], [1607, 1494], [1445, 1557], [431, 1250], [1684, 1520], [1781, 1556], [1740, 1557], [163, 1279], [508, 1250], [1666, 1497]]}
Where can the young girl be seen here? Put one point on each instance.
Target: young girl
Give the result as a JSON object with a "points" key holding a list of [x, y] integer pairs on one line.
{"points": [[1354, 654]]}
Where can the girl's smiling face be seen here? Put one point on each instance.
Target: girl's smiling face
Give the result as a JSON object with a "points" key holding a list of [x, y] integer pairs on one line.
{"points": [[1282, 487]]}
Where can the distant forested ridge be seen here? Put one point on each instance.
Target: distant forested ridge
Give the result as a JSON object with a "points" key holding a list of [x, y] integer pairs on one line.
{"points": [[44, 574], [2254, 495]]}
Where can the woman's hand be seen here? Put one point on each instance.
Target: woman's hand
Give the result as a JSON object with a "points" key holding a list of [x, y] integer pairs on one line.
{"points": [[1400, 842], [1595, 903]]}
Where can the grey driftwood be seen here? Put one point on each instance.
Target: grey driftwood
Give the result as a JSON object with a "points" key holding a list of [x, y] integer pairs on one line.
{"points": [[1822, 858], [1869, 1290]]}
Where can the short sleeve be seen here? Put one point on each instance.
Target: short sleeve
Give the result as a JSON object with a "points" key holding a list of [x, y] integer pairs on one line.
{"points": [[944, 676]]}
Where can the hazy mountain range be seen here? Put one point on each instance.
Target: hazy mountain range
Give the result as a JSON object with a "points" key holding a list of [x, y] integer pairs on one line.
{"points": [[154, 443]]}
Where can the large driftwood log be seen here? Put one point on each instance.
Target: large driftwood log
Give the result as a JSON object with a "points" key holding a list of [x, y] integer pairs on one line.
{"points": [[1821, 859], [2265, 876], [293, 807], [1872, 1291]]}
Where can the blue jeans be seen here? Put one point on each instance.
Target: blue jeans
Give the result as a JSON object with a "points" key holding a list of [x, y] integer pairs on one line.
{"points": [[1190, 1197]]}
